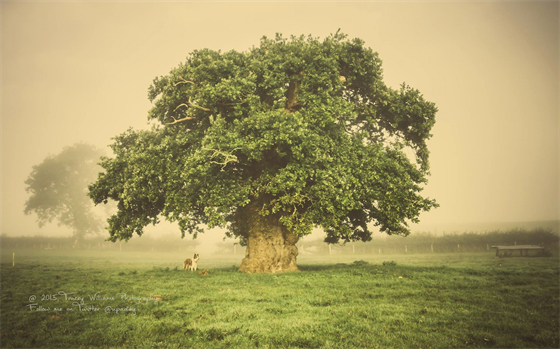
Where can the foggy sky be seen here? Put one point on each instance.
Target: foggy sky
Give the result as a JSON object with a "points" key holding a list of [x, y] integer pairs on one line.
{"points": [[79, 71]]}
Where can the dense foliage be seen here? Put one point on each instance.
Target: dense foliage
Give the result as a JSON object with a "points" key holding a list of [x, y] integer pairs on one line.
{"points": [[303, 129]]}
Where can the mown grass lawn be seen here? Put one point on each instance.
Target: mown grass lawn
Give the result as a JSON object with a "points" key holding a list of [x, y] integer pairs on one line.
{"points": [[428, 301]]}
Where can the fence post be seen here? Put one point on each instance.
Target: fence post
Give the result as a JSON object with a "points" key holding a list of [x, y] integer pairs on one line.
{"points": [[432, 245], [353, 249], [458, 247], [405, 249], [330, 250], [487, 247]]}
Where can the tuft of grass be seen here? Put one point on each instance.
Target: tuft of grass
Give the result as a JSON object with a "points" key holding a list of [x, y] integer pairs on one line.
{"points": [[360, 263], [389, 263]]}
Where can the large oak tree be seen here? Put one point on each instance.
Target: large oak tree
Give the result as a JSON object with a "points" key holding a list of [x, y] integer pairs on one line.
{"points": [[271, 142]]}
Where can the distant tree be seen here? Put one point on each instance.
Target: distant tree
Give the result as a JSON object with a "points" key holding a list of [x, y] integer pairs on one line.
{"points": [[58, 188], [292, 134]]}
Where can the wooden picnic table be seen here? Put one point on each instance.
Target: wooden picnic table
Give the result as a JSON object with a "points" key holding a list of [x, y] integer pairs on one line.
{"points": [[521, 248]]}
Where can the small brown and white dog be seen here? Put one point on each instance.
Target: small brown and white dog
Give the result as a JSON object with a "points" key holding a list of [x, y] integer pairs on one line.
{"points": [[191, 264]]}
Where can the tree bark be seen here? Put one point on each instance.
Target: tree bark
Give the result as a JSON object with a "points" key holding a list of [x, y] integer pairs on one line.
{"points": [[271, 248]]}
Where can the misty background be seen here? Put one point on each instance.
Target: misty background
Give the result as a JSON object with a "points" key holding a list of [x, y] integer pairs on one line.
{"points": [[79, 72]]}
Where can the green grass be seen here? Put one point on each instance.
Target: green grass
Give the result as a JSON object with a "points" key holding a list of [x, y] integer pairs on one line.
{"points": [[429, 301]]}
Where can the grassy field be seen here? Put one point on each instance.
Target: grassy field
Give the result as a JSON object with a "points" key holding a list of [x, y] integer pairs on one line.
{"points": [[67, 299]]}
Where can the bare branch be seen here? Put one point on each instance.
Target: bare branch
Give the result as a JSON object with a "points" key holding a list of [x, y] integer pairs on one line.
{"points": [[184, 82], [190, 104], [227, 157], [181, 105], [188, 117], [197, 106], [179, 120]]}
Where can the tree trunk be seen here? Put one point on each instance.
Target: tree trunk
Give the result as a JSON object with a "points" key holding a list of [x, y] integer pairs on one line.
{"points": [[271, 248], [77, 242]]}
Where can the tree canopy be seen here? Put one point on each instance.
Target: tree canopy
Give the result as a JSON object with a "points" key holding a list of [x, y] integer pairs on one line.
{"points": [[58, 189], [302, 130]]}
